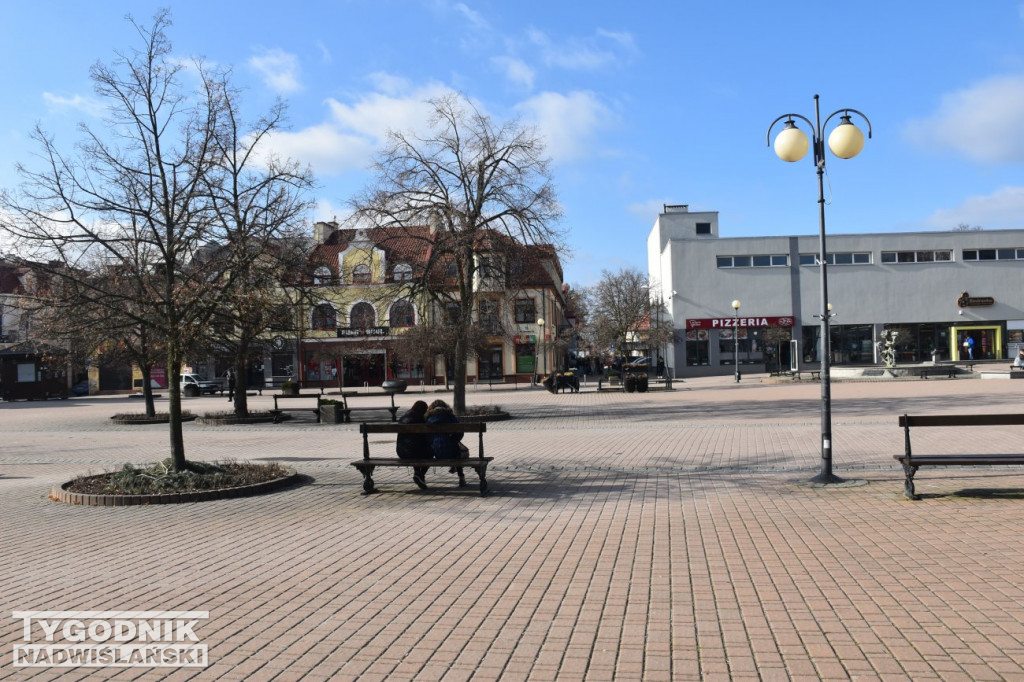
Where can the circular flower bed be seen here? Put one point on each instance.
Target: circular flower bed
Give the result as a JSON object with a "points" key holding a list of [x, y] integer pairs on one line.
{"points": [[141, 418], [227, 418], [483, 413], [160, 484]]}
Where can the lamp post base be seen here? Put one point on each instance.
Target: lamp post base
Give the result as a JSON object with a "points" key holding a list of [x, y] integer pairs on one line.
{"points": [[827, 478]]}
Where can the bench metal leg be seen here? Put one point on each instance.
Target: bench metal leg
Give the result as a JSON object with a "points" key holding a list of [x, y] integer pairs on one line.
{"points": [[367, 472], [481, 471], [908, 483]]}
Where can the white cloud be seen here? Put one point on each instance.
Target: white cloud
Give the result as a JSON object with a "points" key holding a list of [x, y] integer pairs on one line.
{"points": [[567, 122], [279, 69], [388, 83], [516, 70], [1003, 209], [327, 149], [584, 54], [374, 114], [475, 19], [982, 122], [86, 105]]}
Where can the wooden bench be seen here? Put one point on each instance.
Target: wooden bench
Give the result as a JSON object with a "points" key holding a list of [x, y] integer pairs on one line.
{"points": [[367, 464], [347, 409], [912, 462], [277, 411], [938, 370]]}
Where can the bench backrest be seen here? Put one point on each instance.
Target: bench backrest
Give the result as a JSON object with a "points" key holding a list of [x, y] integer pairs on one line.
{"points": [[365, 428], [962, 420]]}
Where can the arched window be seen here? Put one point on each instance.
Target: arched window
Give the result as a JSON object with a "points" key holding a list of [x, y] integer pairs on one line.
{"points": [[451, 271], [324, 317], [403, 272], [361, 274], [322, 275], [402, 314], [363, 316]]}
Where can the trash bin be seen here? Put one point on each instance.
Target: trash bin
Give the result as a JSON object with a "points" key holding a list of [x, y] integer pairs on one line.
{"points": [[641, 383]]}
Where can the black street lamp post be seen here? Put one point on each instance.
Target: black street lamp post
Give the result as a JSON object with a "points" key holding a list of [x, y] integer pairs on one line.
{"points": [[736, 338], [845, 141]]}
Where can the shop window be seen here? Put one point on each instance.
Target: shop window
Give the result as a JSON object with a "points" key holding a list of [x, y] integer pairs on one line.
{"points": [[490, 364], [324, 317], [363, 316], [698, 347], [402, 314], [407, 369], [526, 358]]}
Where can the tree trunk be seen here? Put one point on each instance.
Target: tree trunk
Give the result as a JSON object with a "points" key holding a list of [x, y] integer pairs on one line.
{"points": [[241, 401], [147, 389], [174, 360], [459, 370]]}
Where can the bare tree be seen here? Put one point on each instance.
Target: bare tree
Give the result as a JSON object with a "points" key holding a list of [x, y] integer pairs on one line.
{"points": [[620, 311], [479, 186], [135, 199]]}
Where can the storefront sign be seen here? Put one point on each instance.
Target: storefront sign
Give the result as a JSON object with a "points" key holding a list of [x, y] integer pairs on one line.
{"points": [[345, 332], [967, 301], [523, 339], [726, 322]]}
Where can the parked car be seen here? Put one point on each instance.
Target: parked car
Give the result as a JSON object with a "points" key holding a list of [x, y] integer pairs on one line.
{"points": [[81, 388], [195, 384], [640, 362]]}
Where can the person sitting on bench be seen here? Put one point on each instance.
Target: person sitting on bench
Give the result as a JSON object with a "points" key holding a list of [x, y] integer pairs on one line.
{"points": [[446, 445], [415, 445], [1018, 361]]}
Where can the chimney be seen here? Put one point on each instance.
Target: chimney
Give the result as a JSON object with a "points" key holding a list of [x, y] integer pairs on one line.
{"points": [[322, 231]]}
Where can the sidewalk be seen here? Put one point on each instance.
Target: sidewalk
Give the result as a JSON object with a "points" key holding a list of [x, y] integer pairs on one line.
{"points": [[658, 536]]}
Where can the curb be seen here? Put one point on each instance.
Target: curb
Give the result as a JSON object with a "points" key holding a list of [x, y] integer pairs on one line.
{"points": [[61, 494]]}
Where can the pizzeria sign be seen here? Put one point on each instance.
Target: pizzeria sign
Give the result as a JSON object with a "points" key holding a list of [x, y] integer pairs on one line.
{"points": [[729, 322]]}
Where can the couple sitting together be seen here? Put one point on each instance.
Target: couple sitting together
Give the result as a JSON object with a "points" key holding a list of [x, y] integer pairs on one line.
{"points": [[430, 445]]}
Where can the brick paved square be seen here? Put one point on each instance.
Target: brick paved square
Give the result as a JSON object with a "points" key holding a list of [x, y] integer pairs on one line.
{"points": [[626, 536]]}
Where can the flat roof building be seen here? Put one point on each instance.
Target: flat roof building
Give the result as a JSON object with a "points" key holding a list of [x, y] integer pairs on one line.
{"points": [[938, 290]]}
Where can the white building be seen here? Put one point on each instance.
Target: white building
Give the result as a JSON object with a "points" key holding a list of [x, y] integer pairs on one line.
{"points": [[938, 289]]}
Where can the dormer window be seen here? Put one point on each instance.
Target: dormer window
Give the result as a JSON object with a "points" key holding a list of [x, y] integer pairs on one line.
{"points": [[361, 274], [403, 272], [322, 275]]}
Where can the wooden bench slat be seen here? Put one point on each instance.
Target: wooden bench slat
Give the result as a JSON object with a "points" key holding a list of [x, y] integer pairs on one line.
{"points": [[961, 460], [962, 420], [423, 428]]}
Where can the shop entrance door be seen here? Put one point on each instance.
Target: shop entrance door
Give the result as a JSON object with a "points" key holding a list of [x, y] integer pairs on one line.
{"points": [[364, 369], [976, 343]]}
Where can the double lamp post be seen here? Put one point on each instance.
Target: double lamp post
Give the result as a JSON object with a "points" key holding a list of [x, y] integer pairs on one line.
{"points": [[791, 144]]}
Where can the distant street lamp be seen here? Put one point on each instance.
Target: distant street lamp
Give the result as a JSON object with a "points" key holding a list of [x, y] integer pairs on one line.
{"points": [[540, 339], [791, 144], [736, 338]]}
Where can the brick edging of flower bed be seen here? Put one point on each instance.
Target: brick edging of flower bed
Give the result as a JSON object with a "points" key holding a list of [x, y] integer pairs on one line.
{"points": [[61, 494]]}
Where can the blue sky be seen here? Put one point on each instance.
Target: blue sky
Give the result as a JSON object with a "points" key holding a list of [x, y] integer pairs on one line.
{"points": [[641, 103]]}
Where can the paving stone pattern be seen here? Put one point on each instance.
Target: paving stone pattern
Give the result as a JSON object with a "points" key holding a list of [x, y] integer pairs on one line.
{"points": [[658, 536]]}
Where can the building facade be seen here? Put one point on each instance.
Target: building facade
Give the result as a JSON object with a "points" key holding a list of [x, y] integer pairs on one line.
{"points": [[937, 290], [361, 300]]}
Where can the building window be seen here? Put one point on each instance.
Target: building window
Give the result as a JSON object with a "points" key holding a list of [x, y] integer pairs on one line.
{"points": [[489, 317], [526, 313], [322, 275], [697, 347], [848, 258], [402, 272], [363, 316], [703, 228], [993, 254], [450, 271], [324, 317], [778, 260], [916, 256], [489, 363], [402, 314], [361, 274]]}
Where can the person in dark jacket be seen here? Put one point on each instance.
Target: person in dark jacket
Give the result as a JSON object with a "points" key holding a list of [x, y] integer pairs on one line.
{"points": [[415, 445], [445, 445]]}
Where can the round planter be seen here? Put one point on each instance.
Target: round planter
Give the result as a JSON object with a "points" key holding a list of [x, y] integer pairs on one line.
{"points": [[61, 494], [145, 421], [629, 383], [394, 386], [641, 383]]}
